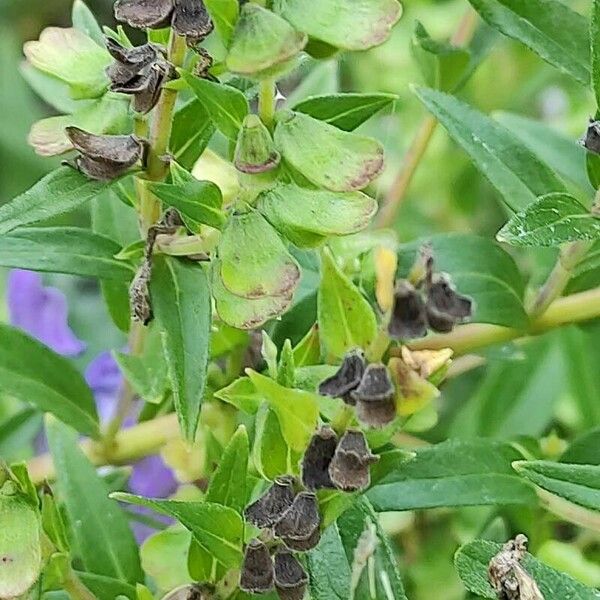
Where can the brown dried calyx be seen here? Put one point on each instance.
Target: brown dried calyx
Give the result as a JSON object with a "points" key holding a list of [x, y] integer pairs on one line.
{"points": [[591, 140], [140, 72], [105, 157], [188, 18], [350, 468], [269, 508], [290, 577], [317, 458], [508, 577]]}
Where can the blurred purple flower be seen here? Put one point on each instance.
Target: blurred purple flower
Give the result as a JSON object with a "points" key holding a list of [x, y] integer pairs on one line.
{"points": [[104, 378], [41, 312]]}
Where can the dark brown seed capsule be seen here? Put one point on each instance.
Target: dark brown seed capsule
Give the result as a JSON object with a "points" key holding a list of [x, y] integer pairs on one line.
{"points": [[270, 507], [408, 320], [120, 150], [204, 64], [349, 469], [591, 141], [146, 96], [96, 169], [375, 397], [191, 19], [152, 14], [256, 575], [346, 379], [318, 456], [139, 294], [290, 577], [446, 307], [299, 525]]}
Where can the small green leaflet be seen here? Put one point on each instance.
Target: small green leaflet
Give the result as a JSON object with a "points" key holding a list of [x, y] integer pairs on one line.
{"points": [[552, 220], [224, 13], [472, 562], [84, 20], [345, 111], [548, 27], [182, 303], [346, 320], [31, 372], [217, 529], [510, 166], [102, 538], [192, 130], [58, 192], [242, 394]]}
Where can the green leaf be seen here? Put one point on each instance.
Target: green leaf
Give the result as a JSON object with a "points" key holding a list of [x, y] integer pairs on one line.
{"points": [[454, 473], [63, 250], [17, 433], [228, 483], [556, 33], [345, 111], [61, 191], [242, 394], [192, 130], [296, 211], [510, 166], [472, 562], [442, 65], [595, 48], [584, 450], [31, 372], [182, 304], [226, 106], [217, 529], [102, 538], [328, 157], [254, 261], [492, 280], [107, 588], [199, 202], [346, 320], [286, 371], [551, 220], [586, 274], [296, 410], [84, 20], [224, 14], [356, 26]]}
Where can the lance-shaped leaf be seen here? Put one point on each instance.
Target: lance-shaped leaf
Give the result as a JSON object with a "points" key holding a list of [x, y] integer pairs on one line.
{"points": [[226, 106], [346, 320], [357, 25], [472, 562], [225, 14], [198, 202], [217, 529], [550, 221], [102, 538], [296, 410], [192, 130], [328, 157], [295, 211], [181, 302], [254, 261], [242, 394], [58, 192], [345, 111], [31, 372], [63, 250], [245, 313], [262, 42], [558, 34], [509, 165]]}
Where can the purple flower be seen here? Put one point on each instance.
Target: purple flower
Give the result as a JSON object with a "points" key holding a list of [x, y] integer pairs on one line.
{"points": [[104, 378], [41, 312]]}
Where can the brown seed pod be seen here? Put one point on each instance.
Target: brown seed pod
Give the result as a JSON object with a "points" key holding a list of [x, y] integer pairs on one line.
{"points": [[445, 307], [256, 575], [349, 469], [119, 150], [318, 456], [270, 507], [139, 294], [191, 19], [347, 378], [299, 525], [591, 141], [375, 397], [152, 14], [408, 320], [290, 577]]}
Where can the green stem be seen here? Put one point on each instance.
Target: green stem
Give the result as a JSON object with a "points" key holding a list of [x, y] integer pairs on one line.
{"points": [[75, 588], [266, 102]]}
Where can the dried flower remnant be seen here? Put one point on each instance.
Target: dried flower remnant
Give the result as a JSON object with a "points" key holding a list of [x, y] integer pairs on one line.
{"points": [[349, 469], [256, 575], [204, 64], [591, 140], [191, 19], [375, 397], [299, 525], [346, 379], [317, 458], [408, 320], [445, 306], [270, 507], [290, 577], [508, 578]]}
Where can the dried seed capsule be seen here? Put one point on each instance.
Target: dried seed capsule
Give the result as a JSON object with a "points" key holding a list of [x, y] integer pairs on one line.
{"points": [[139, 294], [153, 14], [375, 397], [191, 19], [255, 151], [270, 507], [349, 469], [299, 525], [408, 320], [318, 456], [591, 141], [119, 150], [347, 378], [445, 307], [257, 569], [290, 577]]}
